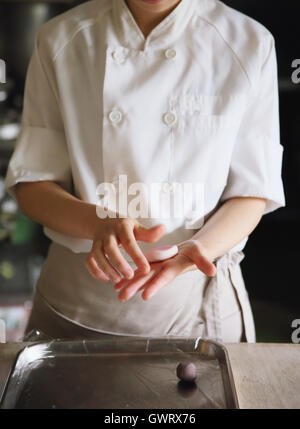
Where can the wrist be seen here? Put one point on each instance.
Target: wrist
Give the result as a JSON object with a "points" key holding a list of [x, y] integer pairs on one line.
{"points": [[204, 248], [90, 220]]}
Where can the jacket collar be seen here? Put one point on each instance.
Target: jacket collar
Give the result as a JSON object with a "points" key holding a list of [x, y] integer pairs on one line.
{"points": [[164, 34]]}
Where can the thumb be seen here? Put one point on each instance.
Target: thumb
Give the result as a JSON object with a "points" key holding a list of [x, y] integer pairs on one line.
{"points": [[204, 264], [149, 234]]}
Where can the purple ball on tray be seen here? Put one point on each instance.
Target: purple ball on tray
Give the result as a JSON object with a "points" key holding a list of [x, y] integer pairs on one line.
{"points": [[186, 372]]}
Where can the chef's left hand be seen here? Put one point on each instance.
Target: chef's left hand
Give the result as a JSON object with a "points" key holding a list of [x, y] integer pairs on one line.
{"points": [[191, 255]]}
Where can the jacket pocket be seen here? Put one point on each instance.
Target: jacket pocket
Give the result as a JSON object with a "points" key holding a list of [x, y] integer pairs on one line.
{"points": [[201, 113]]}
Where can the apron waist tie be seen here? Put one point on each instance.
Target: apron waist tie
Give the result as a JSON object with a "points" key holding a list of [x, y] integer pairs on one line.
{"points": [[228, 270]]}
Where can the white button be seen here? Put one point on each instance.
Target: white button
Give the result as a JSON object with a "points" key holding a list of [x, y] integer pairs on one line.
{"points": [[165, 187], [170, 53], [171, 187], [168, 187], [115, 116], [170, 118], [119, 56]]}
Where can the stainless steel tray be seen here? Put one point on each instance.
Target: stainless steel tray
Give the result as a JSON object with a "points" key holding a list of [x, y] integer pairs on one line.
{"points": [[119, 374]]}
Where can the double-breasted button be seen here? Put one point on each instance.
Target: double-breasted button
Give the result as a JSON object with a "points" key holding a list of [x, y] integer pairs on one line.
{"points": [[119, 56], [115, 116], [171, 188], [170, 118], [170, 54], [168, 187]]}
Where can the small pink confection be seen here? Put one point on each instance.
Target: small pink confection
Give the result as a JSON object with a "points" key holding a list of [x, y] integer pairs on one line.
{"points": [[161, 253], [186, 372]]}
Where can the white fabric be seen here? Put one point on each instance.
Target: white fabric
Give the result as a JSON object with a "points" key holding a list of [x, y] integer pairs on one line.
{"points": [[191, 305], [196, 101]]}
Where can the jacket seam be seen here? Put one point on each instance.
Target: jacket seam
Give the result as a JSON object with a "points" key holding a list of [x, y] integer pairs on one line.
{"points": [[92, 22], [229, 46]]}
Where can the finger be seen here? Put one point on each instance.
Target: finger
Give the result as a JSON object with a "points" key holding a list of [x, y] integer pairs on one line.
{"points": [[129, 290], [115, 256], [120, 284], [129, 243], [94, 270], [174, 268], [164, 277], [104, 264], [204, 264], [124, 282], [149, 234]]}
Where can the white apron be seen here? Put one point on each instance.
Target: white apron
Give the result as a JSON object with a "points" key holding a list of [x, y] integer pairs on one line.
{"points": [[191, 305]]}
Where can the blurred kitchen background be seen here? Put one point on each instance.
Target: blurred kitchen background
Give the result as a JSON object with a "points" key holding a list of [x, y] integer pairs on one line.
{"points": [[272, 254]]}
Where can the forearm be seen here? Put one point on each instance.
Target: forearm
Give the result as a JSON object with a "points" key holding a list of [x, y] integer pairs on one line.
{"points": [[229, 225], [50, 205]]}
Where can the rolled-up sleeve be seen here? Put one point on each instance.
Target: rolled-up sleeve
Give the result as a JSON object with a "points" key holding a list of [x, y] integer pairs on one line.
{"points": [[256, 163], [41, 150]]}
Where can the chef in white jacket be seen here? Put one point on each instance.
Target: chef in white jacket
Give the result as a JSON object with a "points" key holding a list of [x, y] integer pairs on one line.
{"points": [[171, 92]]}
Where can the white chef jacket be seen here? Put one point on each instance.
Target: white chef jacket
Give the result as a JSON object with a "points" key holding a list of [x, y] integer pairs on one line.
{"points": [[194, 101]]}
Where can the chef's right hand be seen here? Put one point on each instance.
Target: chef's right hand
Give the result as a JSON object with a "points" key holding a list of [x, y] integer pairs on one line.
{"points": [[110, 233]]}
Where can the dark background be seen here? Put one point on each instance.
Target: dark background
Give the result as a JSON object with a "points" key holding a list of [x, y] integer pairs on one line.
{"points": [[272, 253], [271, 265]]}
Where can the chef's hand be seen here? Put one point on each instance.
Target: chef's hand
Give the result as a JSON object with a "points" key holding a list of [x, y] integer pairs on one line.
{"points": [[191, 255], [110, 233]]}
